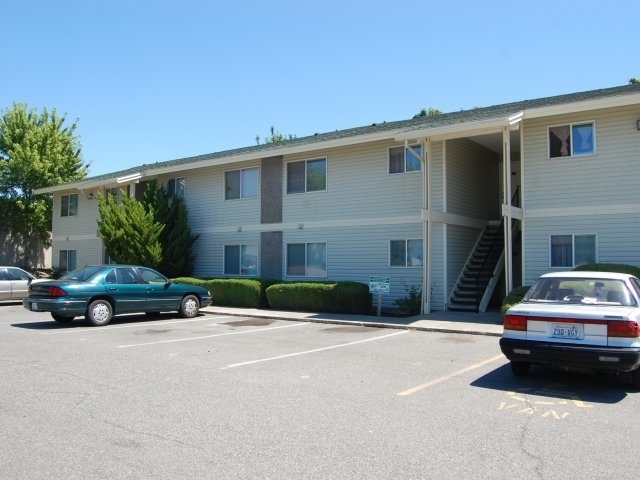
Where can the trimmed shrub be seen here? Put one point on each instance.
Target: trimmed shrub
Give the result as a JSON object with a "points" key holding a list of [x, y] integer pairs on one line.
{"points": [[330, 297], [514, 297], [230, 292]]}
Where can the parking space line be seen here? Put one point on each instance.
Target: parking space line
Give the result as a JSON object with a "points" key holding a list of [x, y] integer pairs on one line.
{"points": [[211, 336], [289, 355], [417, 388], [133, 325]]}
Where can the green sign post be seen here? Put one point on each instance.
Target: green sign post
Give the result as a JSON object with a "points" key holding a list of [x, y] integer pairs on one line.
{"points": [[379, 285]]}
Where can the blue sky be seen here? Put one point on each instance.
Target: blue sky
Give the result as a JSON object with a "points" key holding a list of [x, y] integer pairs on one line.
{"points": [[153, 80]]}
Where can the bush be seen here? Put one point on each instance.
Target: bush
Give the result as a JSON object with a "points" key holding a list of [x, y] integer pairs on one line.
{"points": [[411, 304], [514, 297], [330, 297], [230, 292]]}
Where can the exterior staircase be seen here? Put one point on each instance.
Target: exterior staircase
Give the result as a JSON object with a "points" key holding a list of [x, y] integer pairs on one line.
{"points": [[480, 275]]}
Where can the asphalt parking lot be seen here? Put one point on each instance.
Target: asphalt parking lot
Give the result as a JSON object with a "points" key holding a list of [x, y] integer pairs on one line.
{"points": [[222, 396]]}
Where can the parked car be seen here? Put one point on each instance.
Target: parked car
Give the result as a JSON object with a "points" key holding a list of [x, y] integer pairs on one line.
{"points": [[14, 283], [576, 321], [99, 292]]}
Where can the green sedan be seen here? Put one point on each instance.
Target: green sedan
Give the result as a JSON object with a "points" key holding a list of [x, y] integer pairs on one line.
{"points": [[102, 291]]}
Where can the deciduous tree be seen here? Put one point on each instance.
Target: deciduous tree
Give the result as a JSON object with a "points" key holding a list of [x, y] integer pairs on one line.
{"points": [[37, 150]]}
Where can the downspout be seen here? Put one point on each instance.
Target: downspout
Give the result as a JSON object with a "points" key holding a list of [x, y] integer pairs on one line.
{"points": [[426, 226]]}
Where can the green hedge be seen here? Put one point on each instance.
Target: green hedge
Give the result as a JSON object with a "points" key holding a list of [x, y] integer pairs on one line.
{"points": [[230, 292], [336, 297]]}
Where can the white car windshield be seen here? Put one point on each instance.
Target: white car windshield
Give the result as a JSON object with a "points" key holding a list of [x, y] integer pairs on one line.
{"points": [[594, 291]]}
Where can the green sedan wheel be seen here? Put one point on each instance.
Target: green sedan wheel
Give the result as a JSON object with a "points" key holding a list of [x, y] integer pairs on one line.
{"points": [[99, 312], [189, 307]]}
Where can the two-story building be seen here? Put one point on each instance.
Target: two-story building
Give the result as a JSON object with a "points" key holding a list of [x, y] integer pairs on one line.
{"points": [[459, 205]]}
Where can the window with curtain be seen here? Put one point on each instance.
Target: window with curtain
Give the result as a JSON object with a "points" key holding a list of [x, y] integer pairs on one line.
{"points": [[69, 205], [307, 176], [307, 259], [241, 260], [241, 183], [572, 250], [405, 253], [571, 140], [403, 160], [67, 260]]}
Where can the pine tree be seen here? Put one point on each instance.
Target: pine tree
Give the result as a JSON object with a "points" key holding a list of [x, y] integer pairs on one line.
{"points": [[129, 232], [176, 238]]}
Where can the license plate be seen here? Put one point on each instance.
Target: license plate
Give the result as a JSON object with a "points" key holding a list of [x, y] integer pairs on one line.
{"points": [[34, 307], [567, 330]]}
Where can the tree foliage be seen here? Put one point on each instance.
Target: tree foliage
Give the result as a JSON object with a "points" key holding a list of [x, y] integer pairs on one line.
{"points": [[37, 150], [130, 233], [276, 136], [176, 238], [428, 112]]}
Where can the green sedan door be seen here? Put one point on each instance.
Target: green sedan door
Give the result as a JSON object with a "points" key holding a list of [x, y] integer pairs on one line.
{"points": [[128, 291], [161, 297]]}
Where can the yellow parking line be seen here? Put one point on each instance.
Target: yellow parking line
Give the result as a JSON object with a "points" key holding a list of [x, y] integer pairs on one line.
{"points": [[415, 389]]}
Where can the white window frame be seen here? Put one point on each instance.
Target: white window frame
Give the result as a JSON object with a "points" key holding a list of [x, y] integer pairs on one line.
{"points": [[573, 248], [240, 247], [571, 126], [243, 194], [407, 262], [68, 212], [306, 175], [306, 260], [409, 149], [176, 187], [67, 267]]}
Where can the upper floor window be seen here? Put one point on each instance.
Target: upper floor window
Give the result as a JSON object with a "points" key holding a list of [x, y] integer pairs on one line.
{"points": [[241, 259], [69, 205], [572, 250], [241, 183], [307, 259], [403, 160], [307, 176], [405, 253], [175, 187], [572, 140]]}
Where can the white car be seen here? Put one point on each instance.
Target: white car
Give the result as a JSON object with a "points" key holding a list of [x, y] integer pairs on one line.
{"points": [[576, 321], [14, 283]]}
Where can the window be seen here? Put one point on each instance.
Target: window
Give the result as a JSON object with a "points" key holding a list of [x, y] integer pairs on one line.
{"points": [[175, 187], [307, 259], [405, 253], [403, 160], [67, 260], [241, 260], [307, 176], [241, 183], [572, 250], [69, 205], [572, 140]]}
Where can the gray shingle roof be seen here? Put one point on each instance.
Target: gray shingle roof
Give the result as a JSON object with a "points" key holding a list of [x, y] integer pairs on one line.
{"points": [[446, 119]]}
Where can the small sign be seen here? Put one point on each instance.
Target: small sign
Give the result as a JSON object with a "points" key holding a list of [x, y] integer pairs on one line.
{"points": [[379, 284]]}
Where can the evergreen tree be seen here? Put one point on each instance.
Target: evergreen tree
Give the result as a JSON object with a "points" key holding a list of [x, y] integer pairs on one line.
{"points": [[176, 238], [129, 232]]}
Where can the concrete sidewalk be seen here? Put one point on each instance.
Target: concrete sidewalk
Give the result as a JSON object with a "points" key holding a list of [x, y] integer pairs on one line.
{"points": [[486, 323]]}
